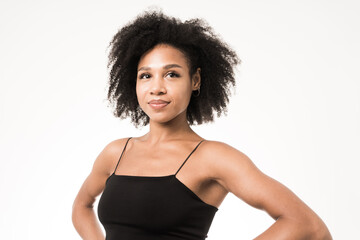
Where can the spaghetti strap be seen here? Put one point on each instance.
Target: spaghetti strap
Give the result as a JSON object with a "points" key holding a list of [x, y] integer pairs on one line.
{"points": [[122, 154], [188, 156]]}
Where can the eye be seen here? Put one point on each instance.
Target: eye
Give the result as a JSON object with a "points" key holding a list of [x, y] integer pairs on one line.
{"points": [[144, 76], [173, 75]]}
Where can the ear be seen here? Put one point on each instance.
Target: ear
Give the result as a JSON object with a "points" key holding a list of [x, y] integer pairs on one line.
{"points": [[196, 79]]}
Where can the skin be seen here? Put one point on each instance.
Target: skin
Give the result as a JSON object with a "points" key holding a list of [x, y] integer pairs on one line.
{"points": [[163, 72]]}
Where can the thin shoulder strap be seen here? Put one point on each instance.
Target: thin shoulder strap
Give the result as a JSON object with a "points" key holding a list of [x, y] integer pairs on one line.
{"points": [[122, 153], [188, 156]]}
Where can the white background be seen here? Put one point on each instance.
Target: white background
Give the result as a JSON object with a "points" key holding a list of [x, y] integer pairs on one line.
{"points": [[295, 111]]}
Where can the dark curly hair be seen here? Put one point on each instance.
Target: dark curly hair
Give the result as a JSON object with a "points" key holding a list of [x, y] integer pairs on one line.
{"points": [[202, 48]]}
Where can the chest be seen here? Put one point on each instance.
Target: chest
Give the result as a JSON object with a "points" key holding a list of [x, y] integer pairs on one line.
{"points": [[162, 205]]}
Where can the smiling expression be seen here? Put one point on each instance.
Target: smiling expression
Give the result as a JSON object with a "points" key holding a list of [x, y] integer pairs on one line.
{"points": [[163, 84]]}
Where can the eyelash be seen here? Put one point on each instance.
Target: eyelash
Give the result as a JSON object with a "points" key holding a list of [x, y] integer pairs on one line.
{"points": [[176, 75], [142, 75]]}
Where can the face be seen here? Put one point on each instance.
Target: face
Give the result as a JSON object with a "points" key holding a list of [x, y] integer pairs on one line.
{"points": [[164, 85]]}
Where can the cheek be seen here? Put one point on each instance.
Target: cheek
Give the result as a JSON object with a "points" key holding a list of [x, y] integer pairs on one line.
{"points": [[181, 96], [140, 94]]}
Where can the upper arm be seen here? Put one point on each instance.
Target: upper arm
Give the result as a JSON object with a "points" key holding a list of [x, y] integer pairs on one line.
{"points": [[239, 175], [103, 166]]}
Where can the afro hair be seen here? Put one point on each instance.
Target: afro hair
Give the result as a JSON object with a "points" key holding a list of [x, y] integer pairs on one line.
{"points": [[200, 45]]}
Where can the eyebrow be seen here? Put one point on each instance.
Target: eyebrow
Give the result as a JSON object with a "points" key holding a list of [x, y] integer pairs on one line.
{"points": [[165, 67]]}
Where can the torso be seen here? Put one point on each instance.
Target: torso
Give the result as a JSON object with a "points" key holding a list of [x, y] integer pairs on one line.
{"points": [[141, 160]]}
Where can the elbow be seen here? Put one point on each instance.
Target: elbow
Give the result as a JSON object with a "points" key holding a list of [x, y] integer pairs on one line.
{"points": [[320, 231], [322, 234]]}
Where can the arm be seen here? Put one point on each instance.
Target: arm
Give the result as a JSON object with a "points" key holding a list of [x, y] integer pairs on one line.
{"points": [[83, 215], [294, 219]]}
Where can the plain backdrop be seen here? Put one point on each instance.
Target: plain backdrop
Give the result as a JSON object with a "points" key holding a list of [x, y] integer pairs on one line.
{"points": [[295, 110]]}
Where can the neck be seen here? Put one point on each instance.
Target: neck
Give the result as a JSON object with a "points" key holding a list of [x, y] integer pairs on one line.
{"points": [[176, 129]]}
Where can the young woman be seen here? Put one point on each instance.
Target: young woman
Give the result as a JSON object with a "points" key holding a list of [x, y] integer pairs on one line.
{"points": [[169, 183]]}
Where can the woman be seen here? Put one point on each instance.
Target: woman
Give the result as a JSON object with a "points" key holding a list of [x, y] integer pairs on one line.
{"points": [[170, 182]]}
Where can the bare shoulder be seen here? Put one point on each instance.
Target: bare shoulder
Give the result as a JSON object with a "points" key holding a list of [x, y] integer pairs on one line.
{"points": [[227, 164], [104, 163], [110, 154], [222, 155], [222, 149]]}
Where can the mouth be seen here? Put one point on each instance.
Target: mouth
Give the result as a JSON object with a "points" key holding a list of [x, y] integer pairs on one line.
{"points": [[158, 105]]}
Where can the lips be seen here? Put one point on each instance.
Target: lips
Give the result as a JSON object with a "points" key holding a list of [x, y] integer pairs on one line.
{"points": [[158, 103]]}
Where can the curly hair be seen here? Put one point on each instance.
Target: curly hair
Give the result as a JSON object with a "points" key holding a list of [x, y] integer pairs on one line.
{"points": [[202, 48]]}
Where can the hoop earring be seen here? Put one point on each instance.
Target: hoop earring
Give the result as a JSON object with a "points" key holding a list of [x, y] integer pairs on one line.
{"points": [[198, 92]]}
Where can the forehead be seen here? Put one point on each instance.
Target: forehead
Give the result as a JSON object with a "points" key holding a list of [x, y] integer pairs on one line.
{"points": [[163, 54]]}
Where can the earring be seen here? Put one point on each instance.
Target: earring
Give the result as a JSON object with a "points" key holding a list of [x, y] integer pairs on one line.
{"points": [[198, 92]]}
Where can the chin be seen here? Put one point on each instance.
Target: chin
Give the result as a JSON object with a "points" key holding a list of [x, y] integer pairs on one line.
{"points": [[161, 120], [162, 117]]}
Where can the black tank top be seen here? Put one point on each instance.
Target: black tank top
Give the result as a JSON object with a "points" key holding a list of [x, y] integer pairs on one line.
{"points": [[153, 208]]}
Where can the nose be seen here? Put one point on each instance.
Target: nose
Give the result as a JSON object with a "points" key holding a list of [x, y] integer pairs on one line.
{"points": [[157, 86]]}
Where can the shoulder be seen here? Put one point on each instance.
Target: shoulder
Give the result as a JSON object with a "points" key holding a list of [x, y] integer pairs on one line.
{"points": [[219, 146], [102, 167], [115, 146], [227, 164], [110, 154], [223, 153]]}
